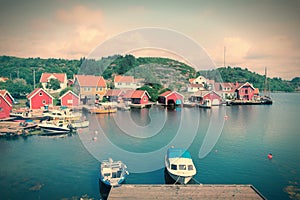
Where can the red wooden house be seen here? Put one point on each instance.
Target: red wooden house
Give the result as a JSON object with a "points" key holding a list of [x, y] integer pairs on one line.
{"points": [[245, 91], [39, 98], [140, 97], [69, 99], [5, 104], [214, 97], [170, 98]]}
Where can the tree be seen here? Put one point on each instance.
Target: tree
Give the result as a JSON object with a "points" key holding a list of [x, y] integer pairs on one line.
{"points": [[18, 88], [53, 84]]}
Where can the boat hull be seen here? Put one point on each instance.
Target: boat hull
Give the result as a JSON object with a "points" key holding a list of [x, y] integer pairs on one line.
{"points": [[180, 179]]}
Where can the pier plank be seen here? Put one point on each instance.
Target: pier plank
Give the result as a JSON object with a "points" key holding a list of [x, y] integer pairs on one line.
{"points": [[184, 192]]}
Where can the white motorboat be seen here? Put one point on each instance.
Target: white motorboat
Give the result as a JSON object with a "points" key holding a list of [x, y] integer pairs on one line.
{"points": [[179, 165], [113, 173], [61, 114], [55, 127]]}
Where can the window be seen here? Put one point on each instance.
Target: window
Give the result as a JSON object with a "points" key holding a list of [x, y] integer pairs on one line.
{"points": [[182, 167], [145, 99], [41, 94], [69, 101], [174, 167], [190, 167], [44, 101]]}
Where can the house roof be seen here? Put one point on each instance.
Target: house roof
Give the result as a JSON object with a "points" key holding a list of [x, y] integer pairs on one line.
{"points": [[138, 94], [69, 91], [59, 76], [191, 80], [35, 91], [128, 94], [2, 96], [90, 80], [168, 93], [204, 93], [5, 92], [113, 92], [123, 79], [196, 85], [243, 84]]}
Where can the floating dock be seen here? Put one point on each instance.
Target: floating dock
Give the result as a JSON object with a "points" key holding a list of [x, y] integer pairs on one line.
{"points": [[202, 191]]}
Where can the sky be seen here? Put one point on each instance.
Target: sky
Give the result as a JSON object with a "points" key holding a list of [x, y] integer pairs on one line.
{"points": [[255, 33]]}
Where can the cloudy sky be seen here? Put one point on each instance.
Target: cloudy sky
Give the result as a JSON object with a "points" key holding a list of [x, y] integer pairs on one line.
{"points": [[256, 33]]}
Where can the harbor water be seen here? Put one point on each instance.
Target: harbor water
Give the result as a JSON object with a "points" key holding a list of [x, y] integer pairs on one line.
{"points": [[229, 145]]}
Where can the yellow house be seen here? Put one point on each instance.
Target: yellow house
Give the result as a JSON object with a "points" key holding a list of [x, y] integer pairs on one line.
{"points": [[90, 87]]}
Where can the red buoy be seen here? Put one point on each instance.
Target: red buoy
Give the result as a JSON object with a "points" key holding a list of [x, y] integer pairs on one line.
{"points": [[270, 156]]}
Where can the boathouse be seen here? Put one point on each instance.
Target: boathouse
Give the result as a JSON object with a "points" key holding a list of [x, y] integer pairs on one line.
{"points": [[69, 99], [114, 95], [170, 98], [214, 97], [245, 91], [5, 104], [140, 97], [39, 98]]}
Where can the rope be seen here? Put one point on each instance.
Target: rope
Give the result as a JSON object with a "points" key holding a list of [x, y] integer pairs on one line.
{"points": [[177, 180], [197, 181]]}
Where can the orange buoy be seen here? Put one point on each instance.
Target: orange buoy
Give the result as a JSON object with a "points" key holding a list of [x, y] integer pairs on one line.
{"points": [[225, 117], [270, 156]]}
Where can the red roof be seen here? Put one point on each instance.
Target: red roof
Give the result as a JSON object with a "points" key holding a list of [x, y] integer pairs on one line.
{"points": [[90, 80], [138, 94], [113, 92], [191, 80], [5, 92], [69, 91], [195, 85], [59, 76], [35, 91], [2, 96], [124, 79], [166, 93], [128, 94]]}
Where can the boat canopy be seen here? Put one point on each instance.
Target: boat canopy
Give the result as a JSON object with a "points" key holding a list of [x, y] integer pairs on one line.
{"points": [[178, 153]]}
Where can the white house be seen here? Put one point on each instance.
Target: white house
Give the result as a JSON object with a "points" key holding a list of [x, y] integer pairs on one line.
{"points": [[126, 82], [61, 77]]}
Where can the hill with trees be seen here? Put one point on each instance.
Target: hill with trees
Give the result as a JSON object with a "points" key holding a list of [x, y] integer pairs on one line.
{"points": [[160, 72]]}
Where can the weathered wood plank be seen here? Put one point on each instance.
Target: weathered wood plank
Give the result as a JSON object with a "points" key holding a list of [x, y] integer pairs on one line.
{"points": [[184, 192]]}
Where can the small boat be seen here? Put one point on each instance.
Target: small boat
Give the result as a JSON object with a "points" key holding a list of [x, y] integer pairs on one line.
{"points": [[206, 103], [61, 114], [103, 110], [25, 114], [80, 124], [113, 173], [179, 165], [54, 128]]}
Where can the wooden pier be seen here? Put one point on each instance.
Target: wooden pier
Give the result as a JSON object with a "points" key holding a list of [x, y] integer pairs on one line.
{"points": [[202, 191]]}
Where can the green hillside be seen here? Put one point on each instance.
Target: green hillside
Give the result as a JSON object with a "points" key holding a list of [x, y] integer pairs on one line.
{"points": [[166, 72]]}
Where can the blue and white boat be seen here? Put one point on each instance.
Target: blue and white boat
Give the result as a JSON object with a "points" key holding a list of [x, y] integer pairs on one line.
{"points": [[179, 165], [113, 173]]}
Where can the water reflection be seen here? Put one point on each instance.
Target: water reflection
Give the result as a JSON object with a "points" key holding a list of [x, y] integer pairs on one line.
{"points": [[104, 190]]}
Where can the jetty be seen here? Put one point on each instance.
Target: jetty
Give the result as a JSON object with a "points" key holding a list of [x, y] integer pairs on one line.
{"points": [[192, 191]]}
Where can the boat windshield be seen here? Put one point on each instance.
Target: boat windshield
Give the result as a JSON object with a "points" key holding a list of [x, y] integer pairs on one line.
{"points": [[116, 174], [174, 167], [190, 167], [182, 167], [106, 174]]}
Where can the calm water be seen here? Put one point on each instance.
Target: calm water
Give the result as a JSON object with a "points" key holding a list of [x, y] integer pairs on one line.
{"points": [[40, 167]]}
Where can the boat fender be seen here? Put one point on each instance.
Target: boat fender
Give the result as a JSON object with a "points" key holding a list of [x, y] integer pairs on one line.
{"points": [[270, 156]]}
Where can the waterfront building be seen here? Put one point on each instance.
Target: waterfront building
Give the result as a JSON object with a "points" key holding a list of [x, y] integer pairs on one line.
{"points": [[170, 98], [140, 97], [69, 99], [6, 102], [39, 98], [200, 96], [127, 82]]}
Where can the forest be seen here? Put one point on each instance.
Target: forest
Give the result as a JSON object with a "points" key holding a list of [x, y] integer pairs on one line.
{"points": [[22, 73]]}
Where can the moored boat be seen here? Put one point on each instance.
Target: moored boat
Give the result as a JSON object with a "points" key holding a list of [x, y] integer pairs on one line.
{"points": [[55, 128], [206, 103], [103, 110], [113, 173], [179, 165]]}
